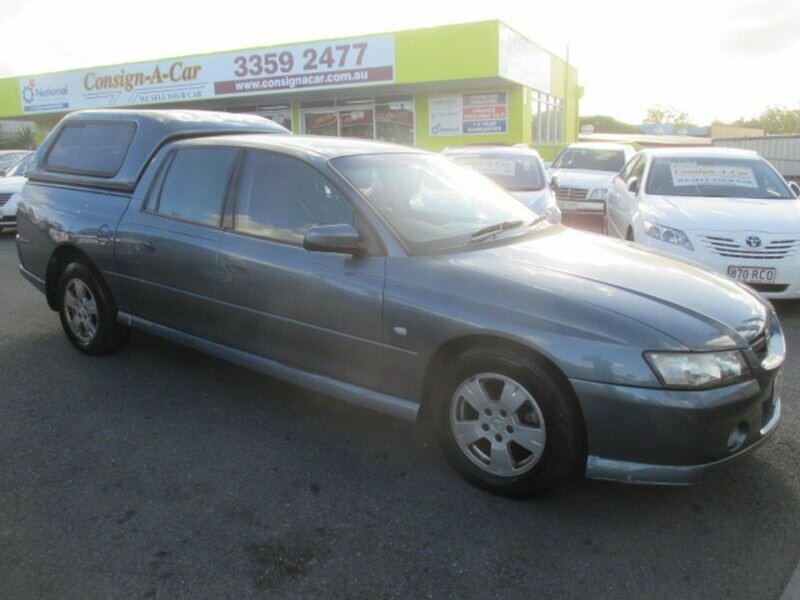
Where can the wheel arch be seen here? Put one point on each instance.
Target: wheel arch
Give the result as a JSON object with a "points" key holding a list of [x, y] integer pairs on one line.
{"points": [[452, 349], [61, 257]]}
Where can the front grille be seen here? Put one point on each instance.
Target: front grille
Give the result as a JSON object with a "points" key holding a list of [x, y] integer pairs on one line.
{"points": [[4, 198], [730, 248], [569, 193], [769, 288]]}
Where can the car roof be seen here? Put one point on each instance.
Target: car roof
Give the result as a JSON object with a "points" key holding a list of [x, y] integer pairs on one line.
{"points": [[177, 119], [490, 151], [602, 146], [712, 152], [319, 145]]}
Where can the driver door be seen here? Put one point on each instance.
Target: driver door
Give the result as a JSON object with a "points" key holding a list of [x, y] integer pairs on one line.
{"points": [[317, 311]]}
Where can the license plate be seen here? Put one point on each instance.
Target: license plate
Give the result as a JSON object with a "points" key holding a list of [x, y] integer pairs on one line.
{"points": [[752, 274], [584, 206]]}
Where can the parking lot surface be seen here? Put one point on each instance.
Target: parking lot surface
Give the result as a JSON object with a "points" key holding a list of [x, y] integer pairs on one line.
{"points": [[159, 472]]}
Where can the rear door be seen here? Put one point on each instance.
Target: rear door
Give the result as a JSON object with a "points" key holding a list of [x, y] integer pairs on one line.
{"points": [[317, 311], [166, 250]]}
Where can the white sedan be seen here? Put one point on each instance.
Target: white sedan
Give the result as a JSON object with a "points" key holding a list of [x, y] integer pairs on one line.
{"points": [[520, 171], [10, 186], [581, 176], [727, 209]]}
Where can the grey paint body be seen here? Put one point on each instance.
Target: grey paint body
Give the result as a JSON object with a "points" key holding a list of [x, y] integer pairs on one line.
{"points": [[365, 328]]}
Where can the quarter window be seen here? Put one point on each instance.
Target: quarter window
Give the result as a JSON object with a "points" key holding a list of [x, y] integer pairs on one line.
{"points": [[629, 168], [195, 185], [637, 171], [281, 198]]}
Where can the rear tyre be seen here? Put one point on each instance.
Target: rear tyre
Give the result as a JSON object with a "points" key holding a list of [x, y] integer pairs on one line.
{"points": [[507, 425], [88, 312], [629, 235]]}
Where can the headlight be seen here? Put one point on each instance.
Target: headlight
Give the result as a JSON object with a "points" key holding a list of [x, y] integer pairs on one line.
{"points": [[698, 370], [668, 235], [598, 194]]}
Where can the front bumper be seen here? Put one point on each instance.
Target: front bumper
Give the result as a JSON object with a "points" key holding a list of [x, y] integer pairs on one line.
{"points": [[787, 282], [674, 437]]}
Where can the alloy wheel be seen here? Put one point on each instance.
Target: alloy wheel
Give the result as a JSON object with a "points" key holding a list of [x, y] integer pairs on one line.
{"points": [[497, 424], [80, 309]]}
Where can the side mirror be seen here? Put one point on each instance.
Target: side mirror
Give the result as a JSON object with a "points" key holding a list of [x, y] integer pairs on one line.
{"points": [[795, 187], [553, 215], [341, 239], [633, 186]]}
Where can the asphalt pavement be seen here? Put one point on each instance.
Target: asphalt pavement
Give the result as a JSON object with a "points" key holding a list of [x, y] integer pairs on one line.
{"points": [[159, 472]]}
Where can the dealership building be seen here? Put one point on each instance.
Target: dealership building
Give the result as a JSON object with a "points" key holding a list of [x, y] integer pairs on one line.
{"points": [[444, 86]]}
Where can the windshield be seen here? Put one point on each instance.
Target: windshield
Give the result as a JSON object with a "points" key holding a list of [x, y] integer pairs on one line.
{"points": [[19, 168], [514, 173], [433, 203], [715, 177], [7, 160], [591, 159]]}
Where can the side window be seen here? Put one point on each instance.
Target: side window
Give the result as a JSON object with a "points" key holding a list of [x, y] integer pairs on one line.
{"points": [[195, 184], [638, 170], [625, 174], [281, 197], [91, 148]]}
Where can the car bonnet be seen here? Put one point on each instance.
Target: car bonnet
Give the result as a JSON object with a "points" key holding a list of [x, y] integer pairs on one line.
{"points": [[724, 214], [700, 309]]}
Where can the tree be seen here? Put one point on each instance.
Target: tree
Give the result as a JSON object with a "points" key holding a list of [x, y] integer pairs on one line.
{"points": [[606, 124], [774, 120], [25, 138], [660, 115]]}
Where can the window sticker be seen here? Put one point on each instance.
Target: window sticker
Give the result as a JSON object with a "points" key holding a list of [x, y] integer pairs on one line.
{"points": [[685, 175], [490, 166]]}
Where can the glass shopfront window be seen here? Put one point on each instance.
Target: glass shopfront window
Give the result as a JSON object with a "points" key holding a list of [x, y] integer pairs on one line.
{"points": [[394, 119], [320, 123], [547, 119], [279, 113], [387, 118], [357, 123]]}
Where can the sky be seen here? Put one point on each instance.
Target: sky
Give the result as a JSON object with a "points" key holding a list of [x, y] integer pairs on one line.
{"points": [[711, 59]]}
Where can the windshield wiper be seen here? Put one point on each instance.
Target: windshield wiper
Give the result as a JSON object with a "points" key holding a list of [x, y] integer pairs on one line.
{"points": [[490, 230]]}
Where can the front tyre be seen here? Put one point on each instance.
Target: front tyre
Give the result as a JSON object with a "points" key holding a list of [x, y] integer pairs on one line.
{"points": [[88, 311], [507, 425]]}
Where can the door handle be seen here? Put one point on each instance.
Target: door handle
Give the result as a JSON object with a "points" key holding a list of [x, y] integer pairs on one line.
{"points": [[145, 246]]}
